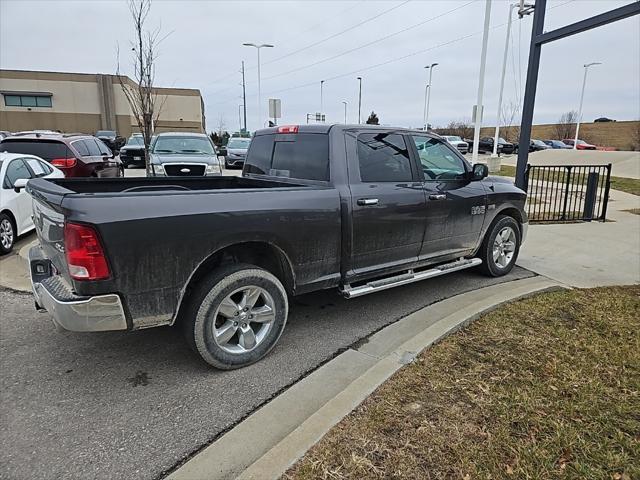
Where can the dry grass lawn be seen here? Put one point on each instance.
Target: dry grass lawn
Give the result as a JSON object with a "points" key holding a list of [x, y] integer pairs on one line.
{"points": [[543, 388]]}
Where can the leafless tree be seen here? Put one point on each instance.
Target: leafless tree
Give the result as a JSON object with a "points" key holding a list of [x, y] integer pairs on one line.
{"points": [[141, 94], [566, 126], [510, 129], [462, 128]]}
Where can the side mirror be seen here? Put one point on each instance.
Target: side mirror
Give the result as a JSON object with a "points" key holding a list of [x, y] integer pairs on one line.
{"points": [[480, 171], [19, 184]]}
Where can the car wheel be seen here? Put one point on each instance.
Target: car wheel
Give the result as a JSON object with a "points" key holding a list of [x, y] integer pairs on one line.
{"points": [[500, 247], [7, 233], [236, 316]]}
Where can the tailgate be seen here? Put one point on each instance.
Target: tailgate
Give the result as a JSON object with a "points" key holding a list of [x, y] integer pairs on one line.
{"points": [[48, 218]]}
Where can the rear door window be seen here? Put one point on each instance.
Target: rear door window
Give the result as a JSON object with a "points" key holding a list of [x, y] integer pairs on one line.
{"points": [[81, 148], [104, 150], [46, 149], [383, 157], [91, 144]]}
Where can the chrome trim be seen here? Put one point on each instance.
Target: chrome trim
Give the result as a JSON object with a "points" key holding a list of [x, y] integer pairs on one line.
{"points": [[93, 314]]}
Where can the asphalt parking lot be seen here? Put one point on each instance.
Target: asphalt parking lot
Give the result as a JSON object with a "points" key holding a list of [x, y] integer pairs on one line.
{"points": [[133, 405]]}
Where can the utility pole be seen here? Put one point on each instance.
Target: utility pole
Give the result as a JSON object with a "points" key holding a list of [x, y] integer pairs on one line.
{"points": [[584, 84], [345, 112], [244, 99], [321, 99], [258, 47], [360, 101], [427, 99], [483, 64]]}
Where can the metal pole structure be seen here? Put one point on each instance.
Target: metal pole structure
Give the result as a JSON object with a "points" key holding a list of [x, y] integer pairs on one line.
{"points": [[360, 101], [584, 84], [321, 99], [345, 112], [530, 93], [483, 64], [426, 115], [244, 99], [424, 110], [240, 117], [504, 71], [258, 47]]}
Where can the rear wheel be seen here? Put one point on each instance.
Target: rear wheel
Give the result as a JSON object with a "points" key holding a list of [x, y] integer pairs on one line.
{"points": [[500, 247], [7, 233], [236, 316]]}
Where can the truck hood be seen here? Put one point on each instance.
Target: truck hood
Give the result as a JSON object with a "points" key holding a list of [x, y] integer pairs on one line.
{"points": [[237, 151], [495, 179], [169, 158], [132, 147]]}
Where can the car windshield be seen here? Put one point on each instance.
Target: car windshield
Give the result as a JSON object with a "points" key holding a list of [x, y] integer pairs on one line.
{"points": [[137, 140], [582, 142], [239, 143], [453, 138], [540, 143], [502, 141], [183, 144], [105, 133]]}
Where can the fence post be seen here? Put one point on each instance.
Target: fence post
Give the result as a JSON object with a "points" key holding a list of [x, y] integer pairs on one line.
{"points": [[606, 194], [566, 194], [590, 196]]}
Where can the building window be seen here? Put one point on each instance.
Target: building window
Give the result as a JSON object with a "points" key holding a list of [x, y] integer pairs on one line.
{"points": [[27, 100]]}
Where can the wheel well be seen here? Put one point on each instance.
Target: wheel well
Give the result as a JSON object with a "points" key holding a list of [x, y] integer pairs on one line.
{"points": [[261, 254], [513, 213]]}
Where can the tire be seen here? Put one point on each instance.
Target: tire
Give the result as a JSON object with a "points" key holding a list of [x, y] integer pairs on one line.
{"points": [[121, 172], [498, 257], [221, 331], [226, 164], [7, 233]]}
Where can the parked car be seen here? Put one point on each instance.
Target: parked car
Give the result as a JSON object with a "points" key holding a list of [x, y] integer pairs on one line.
{"points": [[4, 134], [236, 152], [457, 142], [537, 145], [111, 139], [132, 153], [183, 154], [581, 145], [15, 204], [77, 155], [317, 207], [557, 144], [486, 145]]}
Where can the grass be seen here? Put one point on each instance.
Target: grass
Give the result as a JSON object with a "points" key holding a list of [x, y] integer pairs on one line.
{"points": [[635, 211], [628, 185], [542, 388]]}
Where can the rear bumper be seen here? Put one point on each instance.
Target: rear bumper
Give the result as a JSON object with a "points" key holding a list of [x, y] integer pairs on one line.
{"points": [[69, 311]]}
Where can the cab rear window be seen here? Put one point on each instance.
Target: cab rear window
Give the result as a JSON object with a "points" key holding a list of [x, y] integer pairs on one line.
{"points": [[302, 156]]}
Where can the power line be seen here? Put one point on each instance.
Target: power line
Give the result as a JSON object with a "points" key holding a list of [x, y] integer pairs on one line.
{"points": [[384, 12], [373, 42]]}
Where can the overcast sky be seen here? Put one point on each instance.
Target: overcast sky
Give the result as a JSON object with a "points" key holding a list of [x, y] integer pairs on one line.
{"points": [[204, 50]]}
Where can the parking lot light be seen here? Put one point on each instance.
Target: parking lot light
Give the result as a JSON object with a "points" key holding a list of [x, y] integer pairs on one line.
{"points": [[584, 83], [427, 95], [258, 47]]}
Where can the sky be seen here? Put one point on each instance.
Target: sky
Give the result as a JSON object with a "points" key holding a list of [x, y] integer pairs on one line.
{"points": [[387, 43]]}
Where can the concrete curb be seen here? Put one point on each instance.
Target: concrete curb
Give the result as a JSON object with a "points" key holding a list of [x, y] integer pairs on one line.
{"points": [[273, 438]]}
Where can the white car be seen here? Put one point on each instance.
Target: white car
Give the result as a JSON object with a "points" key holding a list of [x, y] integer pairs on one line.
{"points": [[16, 169], [461, 145]]}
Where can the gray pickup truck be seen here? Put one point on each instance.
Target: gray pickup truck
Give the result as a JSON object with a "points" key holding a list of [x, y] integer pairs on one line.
{"points": [[358, 208]]}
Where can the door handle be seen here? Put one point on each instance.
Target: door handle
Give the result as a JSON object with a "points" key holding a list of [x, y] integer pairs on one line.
{"points": [[367, 201], [438, 196]]}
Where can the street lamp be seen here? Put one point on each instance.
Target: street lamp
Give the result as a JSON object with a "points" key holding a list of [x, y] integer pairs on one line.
{"points": [[584, 83], [360, 100], [321, 99], [258, 47], [427, 95], [345, 112]]}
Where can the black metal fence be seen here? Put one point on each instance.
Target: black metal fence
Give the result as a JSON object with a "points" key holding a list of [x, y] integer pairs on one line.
{"points": [[567, 193]]}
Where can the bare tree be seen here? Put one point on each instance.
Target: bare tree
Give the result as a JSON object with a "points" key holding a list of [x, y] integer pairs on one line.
{"points": [[461, 128], [141, 94], [566, 126], [510, 129]]}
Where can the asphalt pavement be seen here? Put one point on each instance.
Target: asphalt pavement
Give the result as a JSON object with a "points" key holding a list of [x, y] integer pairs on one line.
{"points": [[133, 405]]}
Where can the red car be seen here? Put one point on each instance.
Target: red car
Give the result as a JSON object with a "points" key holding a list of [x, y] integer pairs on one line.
{"points": [[77, 155], [582, 145]]}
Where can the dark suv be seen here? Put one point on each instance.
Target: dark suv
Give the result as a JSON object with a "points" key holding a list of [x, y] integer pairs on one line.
{"points": [[77, 155]]}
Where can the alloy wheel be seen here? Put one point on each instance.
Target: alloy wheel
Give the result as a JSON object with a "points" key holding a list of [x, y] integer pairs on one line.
{"points": [[504, 247], [6, 233]]}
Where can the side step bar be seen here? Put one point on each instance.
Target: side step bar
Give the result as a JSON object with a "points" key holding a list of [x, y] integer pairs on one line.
{"points": [[376, 285]]}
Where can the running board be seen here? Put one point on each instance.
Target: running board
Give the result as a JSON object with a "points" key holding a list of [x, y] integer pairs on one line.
{"points": [[409, 277]]}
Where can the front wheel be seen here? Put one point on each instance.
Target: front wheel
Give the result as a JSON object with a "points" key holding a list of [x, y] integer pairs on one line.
{"points": [[500, 247], [7, 233], [236, 316]]}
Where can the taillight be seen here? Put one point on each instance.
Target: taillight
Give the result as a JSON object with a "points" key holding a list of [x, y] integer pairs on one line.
{"points": [[64, 162], [85, 256], [288, 129]]}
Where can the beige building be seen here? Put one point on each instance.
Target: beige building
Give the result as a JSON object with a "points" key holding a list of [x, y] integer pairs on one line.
{"points": [[80, 102]]}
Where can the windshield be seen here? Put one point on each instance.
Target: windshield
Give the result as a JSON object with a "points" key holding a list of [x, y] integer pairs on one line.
{"points": [[582, 142], [239, 143], [175, 144], [540, 143], [105, 133], [137, 140], [453, 138], [502, 141]]}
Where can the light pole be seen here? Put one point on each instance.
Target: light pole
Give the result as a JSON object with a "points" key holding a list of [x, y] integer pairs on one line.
{"points": [[427, 96], [584, 83], [345, 112], [258, 47], [504, 70], [483, 64], [321, 99], [360, 101]]}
